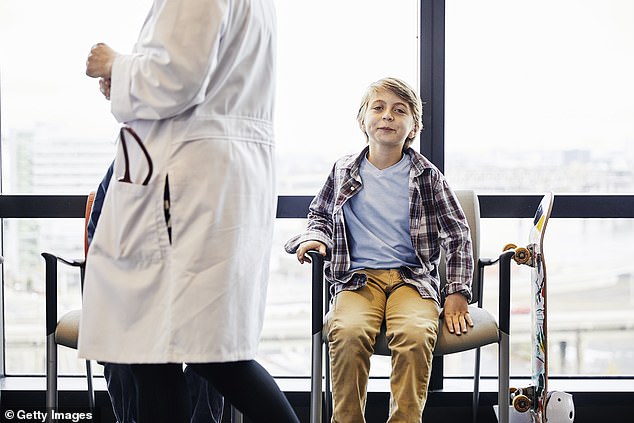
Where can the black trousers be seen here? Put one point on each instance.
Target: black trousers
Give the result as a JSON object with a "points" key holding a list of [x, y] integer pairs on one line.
{"points": [[163, 396], [205, 401]]}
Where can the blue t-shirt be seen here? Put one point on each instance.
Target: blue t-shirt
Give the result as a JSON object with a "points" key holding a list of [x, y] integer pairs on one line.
{"points": [[377, 218]]}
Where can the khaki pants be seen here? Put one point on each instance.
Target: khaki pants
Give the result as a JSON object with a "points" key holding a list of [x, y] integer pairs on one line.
{"points": [[353, 324]]}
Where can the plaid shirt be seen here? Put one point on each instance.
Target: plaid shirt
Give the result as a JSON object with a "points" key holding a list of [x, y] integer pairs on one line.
{"points": [[436, 221]]}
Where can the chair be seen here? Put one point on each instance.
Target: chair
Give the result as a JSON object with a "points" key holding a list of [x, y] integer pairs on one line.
{"points": [[65, 331], [485, 331]]}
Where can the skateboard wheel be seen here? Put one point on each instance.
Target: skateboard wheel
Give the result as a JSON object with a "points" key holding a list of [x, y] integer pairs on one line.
{"points": [[522, 255], [509, 247], [521, 403]]}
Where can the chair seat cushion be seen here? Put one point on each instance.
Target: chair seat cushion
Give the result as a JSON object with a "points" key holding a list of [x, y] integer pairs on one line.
{"points": [[67, 330], [484, 331]]}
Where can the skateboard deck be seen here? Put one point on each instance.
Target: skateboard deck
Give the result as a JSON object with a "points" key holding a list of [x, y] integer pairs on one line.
{"points": [[534, 397]]}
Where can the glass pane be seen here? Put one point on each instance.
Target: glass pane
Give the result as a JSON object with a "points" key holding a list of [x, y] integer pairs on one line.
{"points": [[57, 138], [590, 297], [329, 52], [285, 344], [57, 131], [24, 289], [539, 96]]}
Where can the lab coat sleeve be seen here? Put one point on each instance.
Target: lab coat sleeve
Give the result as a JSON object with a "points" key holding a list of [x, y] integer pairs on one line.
{"points": [[172, 61]]}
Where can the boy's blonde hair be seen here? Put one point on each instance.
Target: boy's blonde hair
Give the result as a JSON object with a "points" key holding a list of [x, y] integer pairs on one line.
{"points": [[405, 92]]}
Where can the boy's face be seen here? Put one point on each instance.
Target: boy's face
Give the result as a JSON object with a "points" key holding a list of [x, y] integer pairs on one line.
{"points": [[388, 120]]}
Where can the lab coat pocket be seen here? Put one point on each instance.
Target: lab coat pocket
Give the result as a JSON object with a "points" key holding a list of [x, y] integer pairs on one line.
{"points": [[132, 227]]}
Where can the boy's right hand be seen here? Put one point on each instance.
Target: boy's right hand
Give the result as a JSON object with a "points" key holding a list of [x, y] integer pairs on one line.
{"points": [[306, 246]]}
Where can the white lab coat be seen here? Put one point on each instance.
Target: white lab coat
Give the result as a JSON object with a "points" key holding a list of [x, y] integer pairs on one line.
{"points": [[199, 90]]}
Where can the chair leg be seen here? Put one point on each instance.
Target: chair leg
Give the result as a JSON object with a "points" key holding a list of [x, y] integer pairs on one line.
{"points": [[51, 375], [328, 393], [315, 378], [476, 387], [236, 416], [503, 378], [91, 389]]}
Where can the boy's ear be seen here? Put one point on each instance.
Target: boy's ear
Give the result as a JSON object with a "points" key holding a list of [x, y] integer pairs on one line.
{"points": [[414, 131]]}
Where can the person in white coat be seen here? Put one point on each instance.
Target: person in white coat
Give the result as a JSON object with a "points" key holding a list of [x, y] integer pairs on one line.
{"points": [[198, 91]]}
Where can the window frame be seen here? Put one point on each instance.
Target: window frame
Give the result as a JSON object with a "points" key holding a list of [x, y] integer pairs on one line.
{"points": [[432, 145]]}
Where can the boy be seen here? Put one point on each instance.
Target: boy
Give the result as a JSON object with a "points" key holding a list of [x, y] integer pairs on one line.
{"points": [[383, 216]]}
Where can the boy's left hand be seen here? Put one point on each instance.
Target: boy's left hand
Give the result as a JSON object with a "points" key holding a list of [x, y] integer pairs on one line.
{"points": [[456, 313]]}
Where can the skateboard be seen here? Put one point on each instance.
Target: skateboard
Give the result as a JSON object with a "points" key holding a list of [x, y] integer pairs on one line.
{"points": [[534, 397]]}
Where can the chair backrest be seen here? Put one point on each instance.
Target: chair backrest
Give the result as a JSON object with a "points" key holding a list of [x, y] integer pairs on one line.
{"points": [[471, 207], [89, 200]]}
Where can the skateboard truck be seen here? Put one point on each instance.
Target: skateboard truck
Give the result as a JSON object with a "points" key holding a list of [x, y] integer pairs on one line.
{"points": [[522, 255], [522, 398]]}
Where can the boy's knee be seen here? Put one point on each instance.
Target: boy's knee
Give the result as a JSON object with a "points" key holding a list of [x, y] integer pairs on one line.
{"points": [[350, 332], [415, 334]]}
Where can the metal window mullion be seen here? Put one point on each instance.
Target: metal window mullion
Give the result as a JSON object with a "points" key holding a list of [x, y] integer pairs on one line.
{"points": [[432, 80]]}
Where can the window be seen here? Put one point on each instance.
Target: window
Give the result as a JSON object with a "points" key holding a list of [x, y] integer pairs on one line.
{"points": [[329, 52], [539, 98], [58, 138], [590, 297]]}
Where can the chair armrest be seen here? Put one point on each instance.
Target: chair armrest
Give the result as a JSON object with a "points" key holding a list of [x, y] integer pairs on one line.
{"points": [[317, 291], [504, 314], [51, 287], [484, 262], [478, 292], [504, 305]]}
